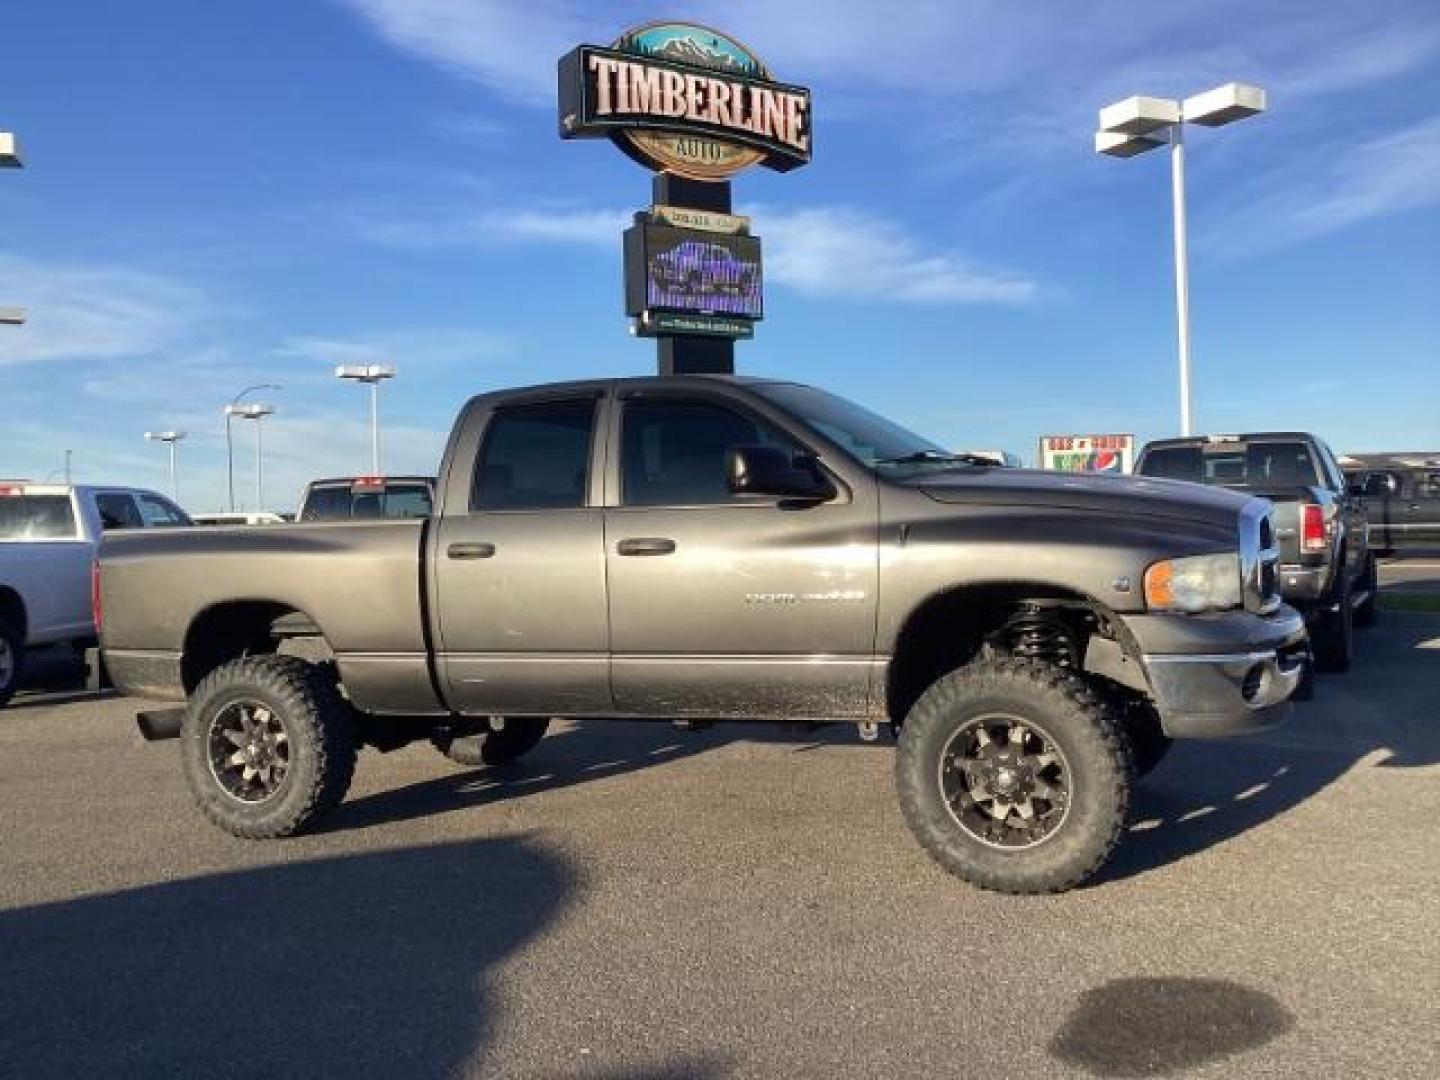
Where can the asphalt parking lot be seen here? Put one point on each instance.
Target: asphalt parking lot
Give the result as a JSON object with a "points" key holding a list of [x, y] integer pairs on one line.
{"points": [[633, 901]]}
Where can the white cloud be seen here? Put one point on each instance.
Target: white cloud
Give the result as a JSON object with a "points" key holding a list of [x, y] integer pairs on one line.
{"points": [[77, 312], [509, 47], [424, 348], [845, 253], [561, 224], [1333, 187]]}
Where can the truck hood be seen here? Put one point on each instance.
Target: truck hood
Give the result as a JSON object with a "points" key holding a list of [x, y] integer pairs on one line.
{"points": [[1097, 492]]}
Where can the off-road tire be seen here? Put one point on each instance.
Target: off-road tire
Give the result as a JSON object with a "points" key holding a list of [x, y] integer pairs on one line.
{"points": [[12, 669], [1148, 742], [1076, 718], [518, 736], [1367, 613], [1333, 637], [320, 729]]}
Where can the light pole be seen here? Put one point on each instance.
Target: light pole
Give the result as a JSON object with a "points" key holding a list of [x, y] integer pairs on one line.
{"points": [[10, 159], [1138, 124], [230, 410], [373, 374], [170, 437], [257, 411]]}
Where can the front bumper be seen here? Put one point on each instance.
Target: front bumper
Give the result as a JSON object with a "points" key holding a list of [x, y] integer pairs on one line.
{"points": [[1224, 687]]}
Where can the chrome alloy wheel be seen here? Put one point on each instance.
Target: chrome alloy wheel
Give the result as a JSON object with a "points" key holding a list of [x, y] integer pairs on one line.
{"points": [[248, 749], [1005, 781]]}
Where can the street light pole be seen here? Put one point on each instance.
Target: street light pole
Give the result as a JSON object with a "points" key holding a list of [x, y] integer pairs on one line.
{"points": [[232, 410], [1140, 124], [257, 411], [1182, 268], [170, 437], [373, 374]]}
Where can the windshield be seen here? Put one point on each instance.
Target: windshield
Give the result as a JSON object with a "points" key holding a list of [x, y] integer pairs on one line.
{"points": [[1258, 465], [36, 517], [875, 441]]}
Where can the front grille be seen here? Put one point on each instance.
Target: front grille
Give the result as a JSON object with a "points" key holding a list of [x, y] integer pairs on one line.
{"points": [[1259, 558]]}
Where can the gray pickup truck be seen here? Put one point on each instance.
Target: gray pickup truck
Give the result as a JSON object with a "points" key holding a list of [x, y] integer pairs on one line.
{"points": [[715, 548], [1327, 570]]}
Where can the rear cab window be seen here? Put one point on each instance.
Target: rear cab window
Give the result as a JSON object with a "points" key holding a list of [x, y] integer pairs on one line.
{"points": [[35, 517], [1237, 464]]}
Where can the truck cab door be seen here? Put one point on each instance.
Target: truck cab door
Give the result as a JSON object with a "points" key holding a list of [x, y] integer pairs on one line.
{"points": [[723, 605], [518, 563]]}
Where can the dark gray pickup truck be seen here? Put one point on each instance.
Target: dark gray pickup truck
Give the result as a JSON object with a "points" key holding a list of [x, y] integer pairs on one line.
{"points": [[1327, 570], [716, 548]]}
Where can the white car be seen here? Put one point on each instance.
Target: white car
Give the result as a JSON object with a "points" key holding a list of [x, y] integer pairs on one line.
{"points": [[239, 517], [48, 537]]}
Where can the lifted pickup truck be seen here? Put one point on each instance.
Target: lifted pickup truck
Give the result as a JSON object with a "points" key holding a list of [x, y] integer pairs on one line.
{"points": [[715, 548], [1327, 570]]}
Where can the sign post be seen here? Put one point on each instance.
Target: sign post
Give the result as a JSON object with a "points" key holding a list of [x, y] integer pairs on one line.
{"points": [[696, 107]]}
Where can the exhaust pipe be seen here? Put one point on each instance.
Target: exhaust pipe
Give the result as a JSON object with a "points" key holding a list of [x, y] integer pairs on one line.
{"points": [[159, 724]]}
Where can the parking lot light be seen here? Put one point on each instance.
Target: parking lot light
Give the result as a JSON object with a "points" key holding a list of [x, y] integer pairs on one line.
{"points": [[229, 444], [257, 411], [170, 438], [9, 151], [373, 374], [1139, 124]]}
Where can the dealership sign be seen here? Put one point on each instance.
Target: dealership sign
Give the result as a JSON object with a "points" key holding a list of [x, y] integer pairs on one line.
{"points": [[685, 99], [1088, 453]]}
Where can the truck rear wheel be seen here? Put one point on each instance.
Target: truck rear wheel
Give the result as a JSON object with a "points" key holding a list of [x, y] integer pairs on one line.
{"points": [[1333, 637], [508, 738], [1014, 775], [268, 745], [12, 661], [1367, 612]]}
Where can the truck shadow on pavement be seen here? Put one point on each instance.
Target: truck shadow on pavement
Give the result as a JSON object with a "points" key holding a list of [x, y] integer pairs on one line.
{"points": [[1381, 713], [1161, 1026], [375, 964], [579, 754]]}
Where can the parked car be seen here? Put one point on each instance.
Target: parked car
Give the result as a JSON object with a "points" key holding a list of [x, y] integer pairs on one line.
{"points": [[48, 536], [367, 498], [1402, 495], [1327, 569], [239, 517], [701, 548]]}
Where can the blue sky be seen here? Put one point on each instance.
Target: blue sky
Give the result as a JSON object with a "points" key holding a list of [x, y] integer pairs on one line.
{"points": [[225, 194]]}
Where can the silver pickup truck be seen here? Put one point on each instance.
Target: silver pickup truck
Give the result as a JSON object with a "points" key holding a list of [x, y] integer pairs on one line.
{"points": [[1327, 570], [717, 548]]}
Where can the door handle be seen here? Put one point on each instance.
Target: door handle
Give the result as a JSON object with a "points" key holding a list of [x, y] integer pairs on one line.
{"points": [[645, 545], [474, 550]]}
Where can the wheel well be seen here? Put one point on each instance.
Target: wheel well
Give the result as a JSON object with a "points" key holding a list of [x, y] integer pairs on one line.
{"points": [[227, 632], [951, 628], [12, 611]]}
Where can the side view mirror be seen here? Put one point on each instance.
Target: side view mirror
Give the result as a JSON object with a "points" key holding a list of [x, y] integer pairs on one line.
{"points": [[765, 470]]}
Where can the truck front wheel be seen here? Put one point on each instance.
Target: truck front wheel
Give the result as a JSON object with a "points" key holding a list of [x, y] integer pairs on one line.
{"points": [[12, 661], [1014, 775], [508, 738], [268, 745]]}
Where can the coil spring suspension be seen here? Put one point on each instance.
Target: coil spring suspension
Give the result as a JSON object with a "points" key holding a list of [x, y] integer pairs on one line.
{"points": [[1036, 633]]}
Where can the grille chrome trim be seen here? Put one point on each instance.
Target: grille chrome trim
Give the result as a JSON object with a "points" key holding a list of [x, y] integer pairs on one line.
{"points": [[1259, 560]]}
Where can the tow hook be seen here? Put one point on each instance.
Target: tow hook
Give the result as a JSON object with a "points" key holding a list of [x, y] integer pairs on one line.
{"points": [[869, 730]]}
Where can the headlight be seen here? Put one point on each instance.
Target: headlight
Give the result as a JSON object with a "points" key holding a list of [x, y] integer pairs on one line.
{"points": [[1196, 583]]}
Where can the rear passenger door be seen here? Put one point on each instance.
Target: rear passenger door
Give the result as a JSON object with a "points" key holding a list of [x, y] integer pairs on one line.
{"points": [[519, 565], [1419, 512]]}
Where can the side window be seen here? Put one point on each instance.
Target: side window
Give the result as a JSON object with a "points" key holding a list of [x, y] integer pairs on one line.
{"points": [[1427, 485], [673, 451], [159, 513], [117, 511], [535, 457], [1334, 478]]}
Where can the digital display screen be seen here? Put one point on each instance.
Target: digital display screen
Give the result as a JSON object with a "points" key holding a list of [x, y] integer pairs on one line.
{"points": [[704, 273]]}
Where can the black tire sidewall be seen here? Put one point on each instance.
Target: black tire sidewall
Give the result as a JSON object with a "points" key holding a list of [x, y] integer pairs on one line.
{"points": [[16, 645], [518, 737], [303, 794], [1096, 758]]}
